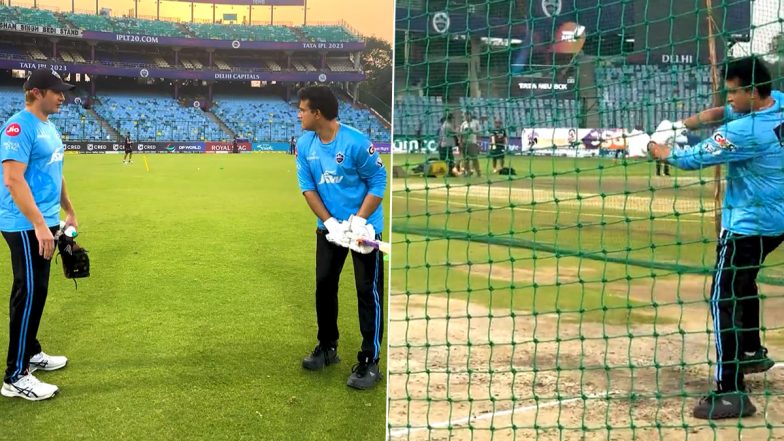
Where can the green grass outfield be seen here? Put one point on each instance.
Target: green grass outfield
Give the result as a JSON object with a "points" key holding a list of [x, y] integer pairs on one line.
{"points": [[198, 312], [618, 215]]}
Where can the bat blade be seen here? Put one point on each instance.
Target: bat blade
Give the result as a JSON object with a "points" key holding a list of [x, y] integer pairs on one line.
{"points": [[384, 247]]}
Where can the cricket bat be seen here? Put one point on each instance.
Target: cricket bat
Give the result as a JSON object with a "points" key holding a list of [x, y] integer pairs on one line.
{"points": [[384, 247]]}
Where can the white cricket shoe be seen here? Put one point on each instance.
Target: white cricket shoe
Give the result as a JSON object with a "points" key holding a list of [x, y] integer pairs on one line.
{"points": [[44, 362], [29, 388]]}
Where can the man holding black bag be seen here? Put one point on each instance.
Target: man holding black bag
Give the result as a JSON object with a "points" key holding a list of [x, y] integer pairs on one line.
{"points": [[31, 151]]}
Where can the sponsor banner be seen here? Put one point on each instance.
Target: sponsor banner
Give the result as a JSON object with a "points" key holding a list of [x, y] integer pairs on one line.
{"points": [[101, 147], [45, 30], [569, 142], [185, 147], [92, 147], [207, 75], [296, 46], [383, 146], [189, 147], [572, 142], [71, 146], [270, 147], [526, 84], [407, 144], [226, 147]]}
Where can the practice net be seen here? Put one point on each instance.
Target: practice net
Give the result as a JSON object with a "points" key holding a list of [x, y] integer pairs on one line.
{"points": [[564, 292]]}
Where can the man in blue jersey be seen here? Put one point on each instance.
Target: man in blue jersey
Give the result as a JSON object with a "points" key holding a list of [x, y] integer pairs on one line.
{"points": [[343, 181], [31, 151], [749, 141]]}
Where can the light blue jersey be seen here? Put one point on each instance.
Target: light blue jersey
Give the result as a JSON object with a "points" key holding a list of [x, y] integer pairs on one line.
{"points": [[343, 173], [752, 145], [27, 139]]}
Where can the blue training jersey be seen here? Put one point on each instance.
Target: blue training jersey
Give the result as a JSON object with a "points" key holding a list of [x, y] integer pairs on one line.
{"points": [[27, 139], [343, 173], [752, 145]]}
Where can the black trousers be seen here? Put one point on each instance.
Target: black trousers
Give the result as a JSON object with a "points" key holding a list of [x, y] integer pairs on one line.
{"points": [[28, 297], [369, 280], [660, 165], [734, 302], [447, 154]]}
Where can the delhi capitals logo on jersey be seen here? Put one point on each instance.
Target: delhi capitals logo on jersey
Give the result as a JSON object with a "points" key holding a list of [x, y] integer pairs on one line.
{"points": [[371, 150], [339, 158]]}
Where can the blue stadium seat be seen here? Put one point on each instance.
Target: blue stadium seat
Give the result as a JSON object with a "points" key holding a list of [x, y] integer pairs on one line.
{"points": [[73, 122], [267, 118], [157, 118], [259, 119], [646, 94]]}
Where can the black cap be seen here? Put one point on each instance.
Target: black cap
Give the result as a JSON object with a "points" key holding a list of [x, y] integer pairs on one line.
{"points": [[46, 79]]}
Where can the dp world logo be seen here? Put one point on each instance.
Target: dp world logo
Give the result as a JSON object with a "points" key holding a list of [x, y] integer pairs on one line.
{"points": [[196, 104], [235, 44], [322, 77], [144, 73], [441, 22], [551, 7]]}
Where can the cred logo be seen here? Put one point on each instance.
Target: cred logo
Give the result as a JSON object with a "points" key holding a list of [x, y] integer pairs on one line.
{"points": [[13, 129]]}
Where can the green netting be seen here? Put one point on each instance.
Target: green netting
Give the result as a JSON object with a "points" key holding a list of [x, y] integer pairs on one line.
{"points": [[569, 300]]}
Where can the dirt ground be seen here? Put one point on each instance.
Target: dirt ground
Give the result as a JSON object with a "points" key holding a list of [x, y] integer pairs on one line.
{"points": [[503, 376]]}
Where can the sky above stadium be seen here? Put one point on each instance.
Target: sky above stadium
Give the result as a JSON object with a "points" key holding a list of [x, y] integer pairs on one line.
{"points": [[367, 17]]}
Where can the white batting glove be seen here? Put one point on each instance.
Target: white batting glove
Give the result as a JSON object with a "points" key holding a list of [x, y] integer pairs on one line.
{"points": [[359, 230], [336, 232], [668, 131]]}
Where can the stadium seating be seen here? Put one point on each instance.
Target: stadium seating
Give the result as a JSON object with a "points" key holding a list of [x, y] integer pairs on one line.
{"points": [[364, 121], [139, 26], [157, 118], [8, 15], [411, 111], [124, 58], [73, 122], [11, 51], [135, 26], [90, 22], [37, 17], [340, 65], [328, 34], [124, 25], [259, 119], [266, 118], [242, 32], [645, 94], [273, 65], [520, 113], [161, 62], [220, 64]]}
